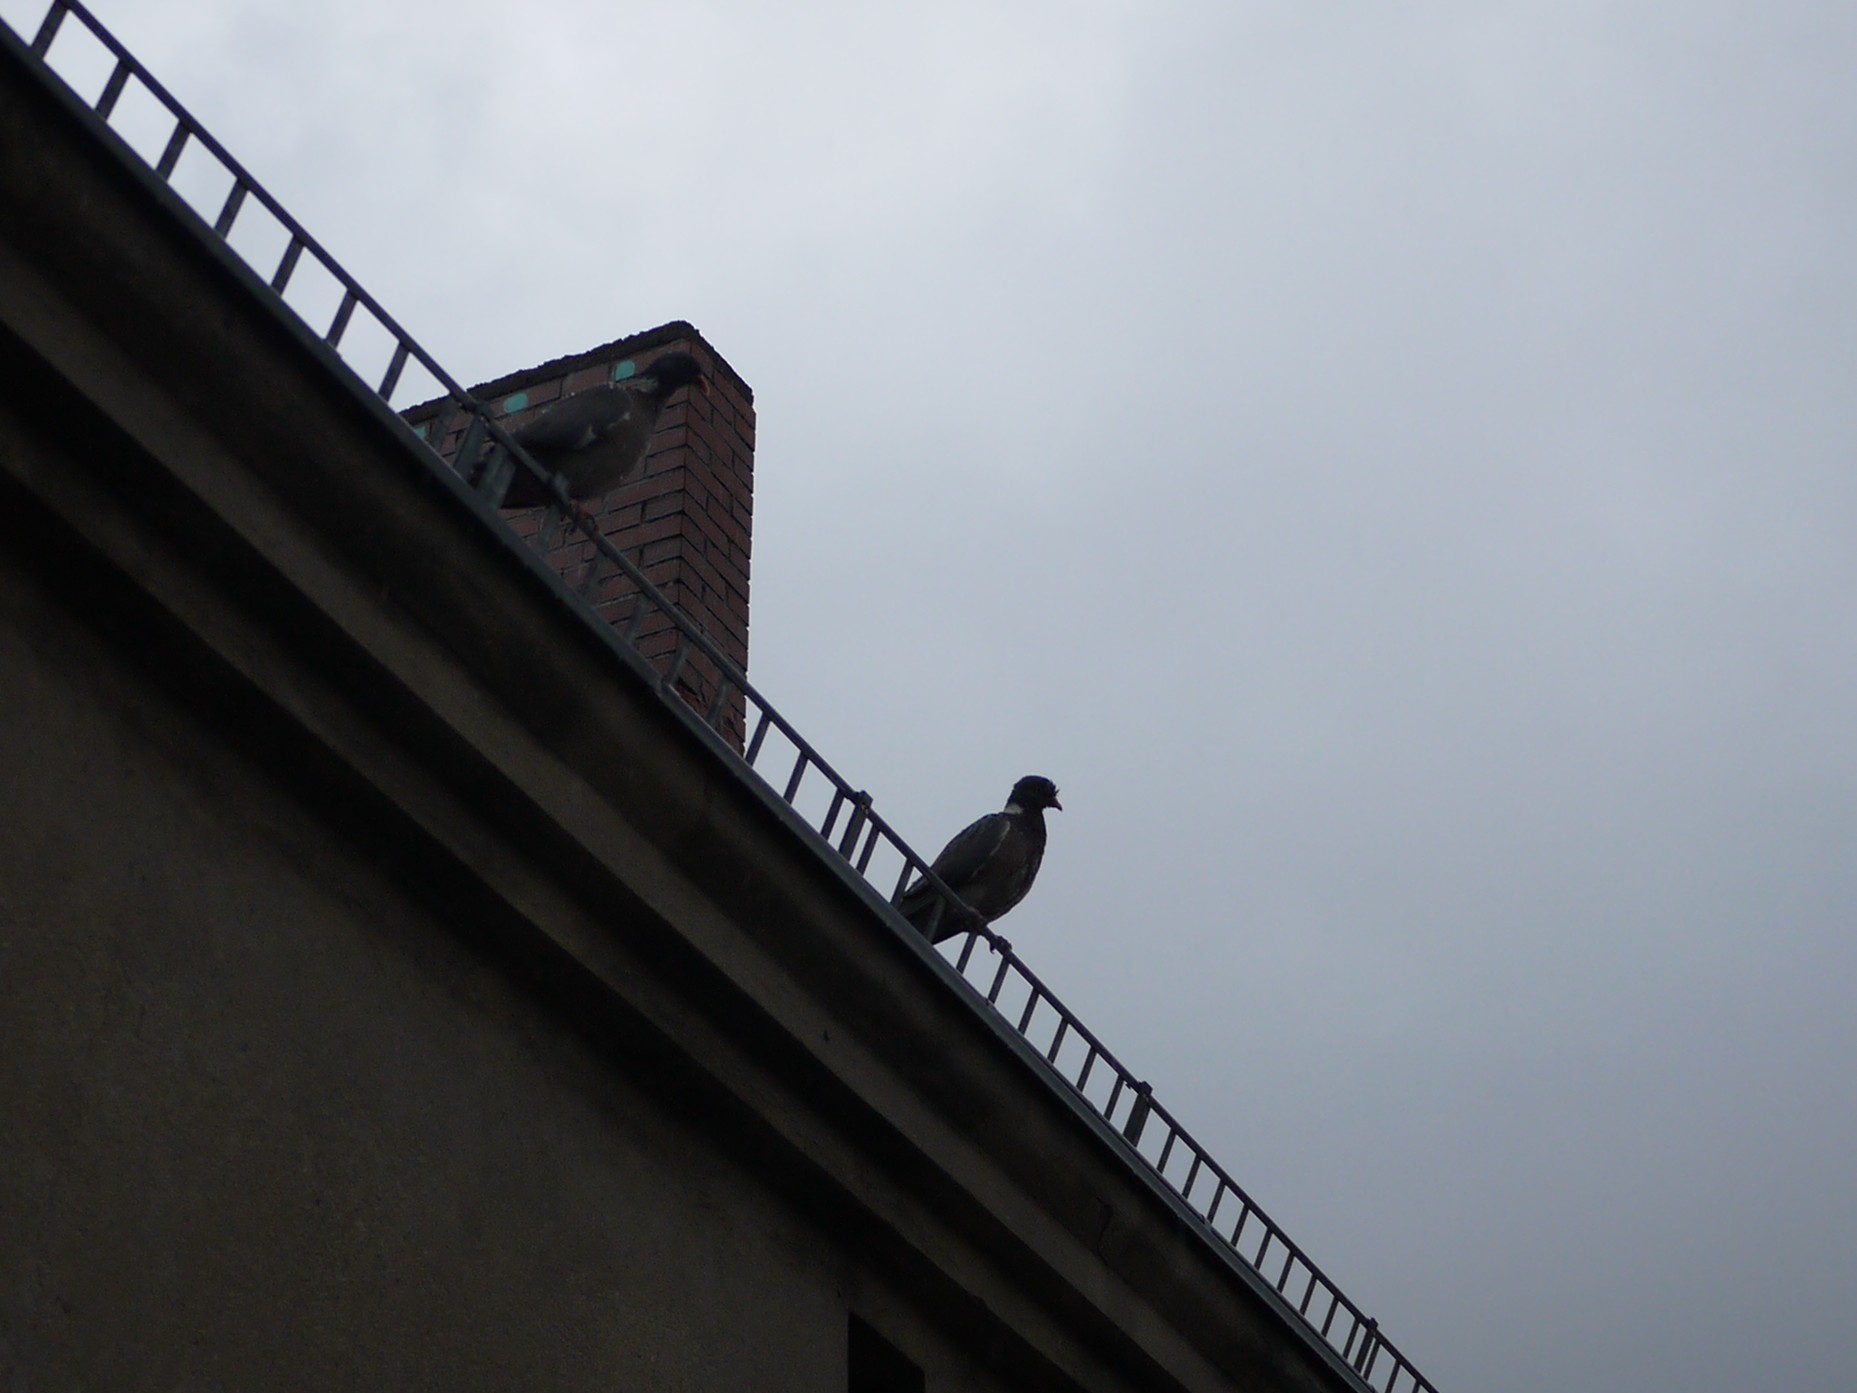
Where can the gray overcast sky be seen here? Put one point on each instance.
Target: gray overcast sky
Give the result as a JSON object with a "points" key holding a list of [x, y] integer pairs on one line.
{"points": [[1392, 465]]}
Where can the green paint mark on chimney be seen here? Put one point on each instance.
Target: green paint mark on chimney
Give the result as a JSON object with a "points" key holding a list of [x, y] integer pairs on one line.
{"points": [[515, 401], [621, 371]]}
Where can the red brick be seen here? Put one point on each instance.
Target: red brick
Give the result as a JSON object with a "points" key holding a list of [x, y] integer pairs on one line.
{"points": [[618, 517], [654, 552], [652, 531], [656, 482]]}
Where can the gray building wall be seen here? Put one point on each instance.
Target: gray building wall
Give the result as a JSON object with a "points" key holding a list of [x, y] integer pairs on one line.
{"points": [[272, 1125]]}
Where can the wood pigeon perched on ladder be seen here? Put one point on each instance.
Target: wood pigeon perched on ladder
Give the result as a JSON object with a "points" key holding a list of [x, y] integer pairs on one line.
{"points": [[596, 439], [990, 864]]}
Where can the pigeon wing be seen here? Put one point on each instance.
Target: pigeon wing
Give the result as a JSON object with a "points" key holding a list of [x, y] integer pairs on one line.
{"points": [[961, 862], [576, 423], [965, 859], [595, 438], [1007, 875]]}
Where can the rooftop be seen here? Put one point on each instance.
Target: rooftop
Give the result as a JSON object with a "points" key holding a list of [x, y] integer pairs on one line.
{"points": [[282, 265]]}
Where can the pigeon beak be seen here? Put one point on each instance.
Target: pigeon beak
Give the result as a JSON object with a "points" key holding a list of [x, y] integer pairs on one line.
{"points": [[702, 385], [1059, 806]]}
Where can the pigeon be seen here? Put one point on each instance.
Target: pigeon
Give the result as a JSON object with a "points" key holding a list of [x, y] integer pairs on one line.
{"points": [[596, 438], [990, 864]]}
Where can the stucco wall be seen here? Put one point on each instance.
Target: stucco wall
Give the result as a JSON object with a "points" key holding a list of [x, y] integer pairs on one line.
{"points": [[271, 1125]]}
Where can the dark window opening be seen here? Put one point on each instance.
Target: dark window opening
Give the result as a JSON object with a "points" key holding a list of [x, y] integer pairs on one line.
{"points": [[875, 1365]]}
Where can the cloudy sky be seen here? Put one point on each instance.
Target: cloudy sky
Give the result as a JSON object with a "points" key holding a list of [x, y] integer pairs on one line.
{"points": [[1392, 465]]}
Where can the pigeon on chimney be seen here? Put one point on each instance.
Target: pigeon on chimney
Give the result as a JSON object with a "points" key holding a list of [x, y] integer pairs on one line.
{"points": [[990, 864], [597, 438]]}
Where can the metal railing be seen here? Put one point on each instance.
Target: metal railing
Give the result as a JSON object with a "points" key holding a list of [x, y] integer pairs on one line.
{"points": [[363, 338]]}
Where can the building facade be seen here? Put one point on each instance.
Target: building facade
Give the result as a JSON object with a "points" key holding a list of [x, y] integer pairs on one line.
{"points": [[405, 982]]}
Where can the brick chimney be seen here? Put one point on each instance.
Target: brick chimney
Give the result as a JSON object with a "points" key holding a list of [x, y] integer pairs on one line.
{"points": [[685, 519]]}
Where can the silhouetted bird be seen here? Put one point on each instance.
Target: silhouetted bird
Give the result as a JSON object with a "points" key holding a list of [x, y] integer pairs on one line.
{"points": [[990, 864], [597, 438]]}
